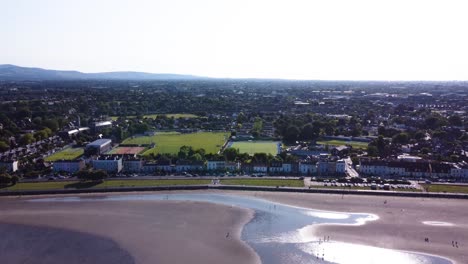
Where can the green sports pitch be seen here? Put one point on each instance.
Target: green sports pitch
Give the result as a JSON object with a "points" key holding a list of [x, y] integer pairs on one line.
{"points": [[252, 147], [170, 142], [354, 144], [66, 154], [153, 116]]}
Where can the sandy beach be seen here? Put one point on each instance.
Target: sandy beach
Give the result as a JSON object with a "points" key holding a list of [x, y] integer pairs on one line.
{"points": [[143, 231], [195, 232], [400, 224]]}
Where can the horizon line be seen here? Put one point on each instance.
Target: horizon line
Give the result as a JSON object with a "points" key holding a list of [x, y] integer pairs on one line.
{"points": [[242, 78]]}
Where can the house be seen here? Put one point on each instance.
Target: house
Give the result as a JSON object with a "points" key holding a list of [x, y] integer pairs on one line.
{"points": [[9, 165], [233, 166], [288, 168], [276, 167], [109, 164], [339, 151], [459, 170], [185, 165], [215, 165], [260, 168], [70, 166], [307, 168], [132, 165], [98, 126]]}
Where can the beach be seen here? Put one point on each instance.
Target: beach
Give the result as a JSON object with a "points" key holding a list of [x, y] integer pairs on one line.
{"points": [[400, 224], [143, 231], [201, 232]]}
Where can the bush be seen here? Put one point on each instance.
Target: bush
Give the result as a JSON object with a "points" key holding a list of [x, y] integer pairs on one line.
{"points": [[88, 175]]}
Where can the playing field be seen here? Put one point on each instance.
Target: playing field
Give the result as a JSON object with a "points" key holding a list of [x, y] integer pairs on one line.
{"points": [[66, 154], [126, 150], [153, 116], [354, 144], [252, 147], [172, 141]]}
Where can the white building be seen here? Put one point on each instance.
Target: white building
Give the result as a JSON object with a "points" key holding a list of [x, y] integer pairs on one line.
{"points": [[70, 166], [260, 168], [216, 165], [307, 168], [99, 146], [132, 165], [111, 165], [232, 166], [287, 167], [10, 166]]}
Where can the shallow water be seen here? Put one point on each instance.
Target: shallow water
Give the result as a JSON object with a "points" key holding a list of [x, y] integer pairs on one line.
{"points": [[276, 231]]}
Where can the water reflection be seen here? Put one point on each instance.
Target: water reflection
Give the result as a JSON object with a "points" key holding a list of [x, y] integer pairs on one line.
{"points": [[277, 234]]}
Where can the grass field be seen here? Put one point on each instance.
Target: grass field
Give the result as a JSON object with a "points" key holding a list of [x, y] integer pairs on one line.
{"points": [[446, 188], [264, 182], [153, 116], [66, 154], [171, 142], [252, 147], [354, 144], [55, 185], [126, 150]]}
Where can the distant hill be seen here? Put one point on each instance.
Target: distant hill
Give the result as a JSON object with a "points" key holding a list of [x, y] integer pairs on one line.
{"points": [[10, 72]]}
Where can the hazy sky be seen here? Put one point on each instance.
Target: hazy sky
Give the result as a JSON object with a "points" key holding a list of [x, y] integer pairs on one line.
{"points": [[326, 39]]}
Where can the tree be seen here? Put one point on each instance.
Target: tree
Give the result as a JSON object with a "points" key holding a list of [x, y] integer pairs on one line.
{"points": [[4, 146], [260, 158], [292, 133], [27, 139], [196, 157], [230, 154], [308, 132], [52, 124], [185, 152], [455, 120], [88, 175], [401, 138], [372, 151]]}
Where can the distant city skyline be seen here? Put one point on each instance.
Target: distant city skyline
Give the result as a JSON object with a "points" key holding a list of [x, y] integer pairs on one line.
{"points": [[296, 39]]}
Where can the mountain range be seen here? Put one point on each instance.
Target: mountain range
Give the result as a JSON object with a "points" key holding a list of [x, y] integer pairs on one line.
{"points": [[9, 72]]}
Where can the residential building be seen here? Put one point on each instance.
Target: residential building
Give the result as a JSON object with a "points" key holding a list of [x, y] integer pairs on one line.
{"points": [[70, 166], [109, 164], [9, 165], [307, 168], [185, 165], [215, 165], [132, 165]]}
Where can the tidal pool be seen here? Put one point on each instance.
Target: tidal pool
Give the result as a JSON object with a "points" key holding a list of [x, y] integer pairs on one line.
{"points": [[276, 231]]}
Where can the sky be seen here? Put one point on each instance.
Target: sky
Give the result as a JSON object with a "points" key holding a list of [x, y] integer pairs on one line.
{"points": [[290, 39]]}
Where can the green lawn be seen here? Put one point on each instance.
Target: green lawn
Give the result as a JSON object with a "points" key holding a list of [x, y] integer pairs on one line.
{"points": [[264, 182], [446, 188], [66, 154], [153, 116], [171, 142], [54, 185], [252, 147], [354, 144]]}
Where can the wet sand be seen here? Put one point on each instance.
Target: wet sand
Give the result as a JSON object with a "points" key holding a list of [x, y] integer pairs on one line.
{"points": [[136, 231], [399, 225]]}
